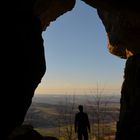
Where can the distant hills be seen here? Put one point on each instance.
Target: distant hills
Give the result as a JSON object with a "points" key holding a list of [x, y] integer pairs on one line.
{"points": [[47, 110], [54, 114], [79, 98]]}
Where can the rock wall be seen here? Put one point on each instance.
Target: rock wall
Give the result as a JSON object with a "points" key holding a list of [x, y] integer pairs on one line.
{"points": [[22, 55], [50, 10], [122, 29], [122, 24], [128, 126]]}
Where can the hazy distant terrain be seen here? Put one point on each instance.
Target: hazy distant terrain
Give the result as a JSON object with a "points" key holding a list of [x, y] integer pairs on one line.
{"points": [[80, 99], [46, 109], [52, 112]]}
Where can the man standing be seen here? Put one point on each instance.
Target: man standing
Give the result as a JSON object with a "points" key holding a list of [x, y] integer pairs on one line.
{"points": [[82, 125]]}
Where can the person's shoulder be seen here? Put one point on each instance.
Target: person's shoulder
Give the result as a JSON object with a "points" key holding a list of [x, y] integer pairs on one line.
{"points": [[77, 113]]}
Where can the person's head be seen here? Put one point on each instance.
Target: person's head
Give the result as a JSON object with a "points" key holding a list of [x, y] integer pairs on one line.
{"points": [[80, 107]]}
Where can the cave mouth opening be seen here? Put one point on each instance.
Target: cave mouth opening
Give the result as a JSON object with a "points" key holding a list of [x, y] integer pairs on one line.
{"points": [[76, 54]]}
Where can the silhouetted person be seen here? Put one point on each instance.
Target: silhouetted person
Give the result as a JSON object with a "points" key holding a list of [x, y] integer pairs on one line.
{"points": [[82, 125]]}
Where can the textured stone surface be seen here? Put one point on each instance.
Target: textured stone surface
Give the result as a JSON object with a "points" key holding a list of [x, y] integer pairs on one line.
{"points": [[50, 10], [123, 32], [128, 126], [23, 60], [27, 132], [122, 24]]}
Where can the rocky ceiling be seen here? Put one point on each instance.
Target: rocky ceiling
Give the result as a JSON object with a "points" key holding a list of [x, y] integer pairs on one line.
{"points": [[120, 19]]}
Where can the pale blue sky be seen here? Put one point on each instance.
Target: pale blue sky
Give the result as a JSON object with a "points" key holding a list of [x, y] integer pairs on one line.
{"points": [[76, 53]]}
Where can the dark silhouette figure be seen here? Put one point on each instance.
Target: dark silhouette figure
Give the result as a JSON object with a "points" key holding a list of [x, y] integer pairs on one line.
{"points": [[82, 125]]}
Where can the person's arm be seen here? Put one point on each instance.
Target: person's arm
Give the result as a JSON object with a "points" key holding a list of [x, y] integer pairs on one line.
{"points": [[88, 124]]}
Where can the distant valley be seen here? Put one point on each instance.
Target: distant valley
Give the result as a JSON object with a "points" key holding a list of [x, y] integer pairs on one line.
{"points": [[52, 112]]}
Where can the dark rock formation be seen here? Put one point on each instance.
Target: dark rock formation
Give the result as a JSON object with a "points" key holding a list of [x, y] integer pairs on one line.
{"points": [[27, 132], [122, 24], [49, 10], [22, 68], [128, 126], [22, 55]]}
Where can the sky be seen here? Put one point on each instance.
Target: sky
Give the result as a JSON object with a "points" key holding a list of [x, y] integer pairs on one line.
{"points": [[77, 57]]}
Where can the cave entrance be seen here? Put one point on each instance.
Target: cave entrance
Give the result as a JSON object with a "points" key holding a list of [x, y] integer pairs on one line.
{"points": [[76, 54], [77, 60]]}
